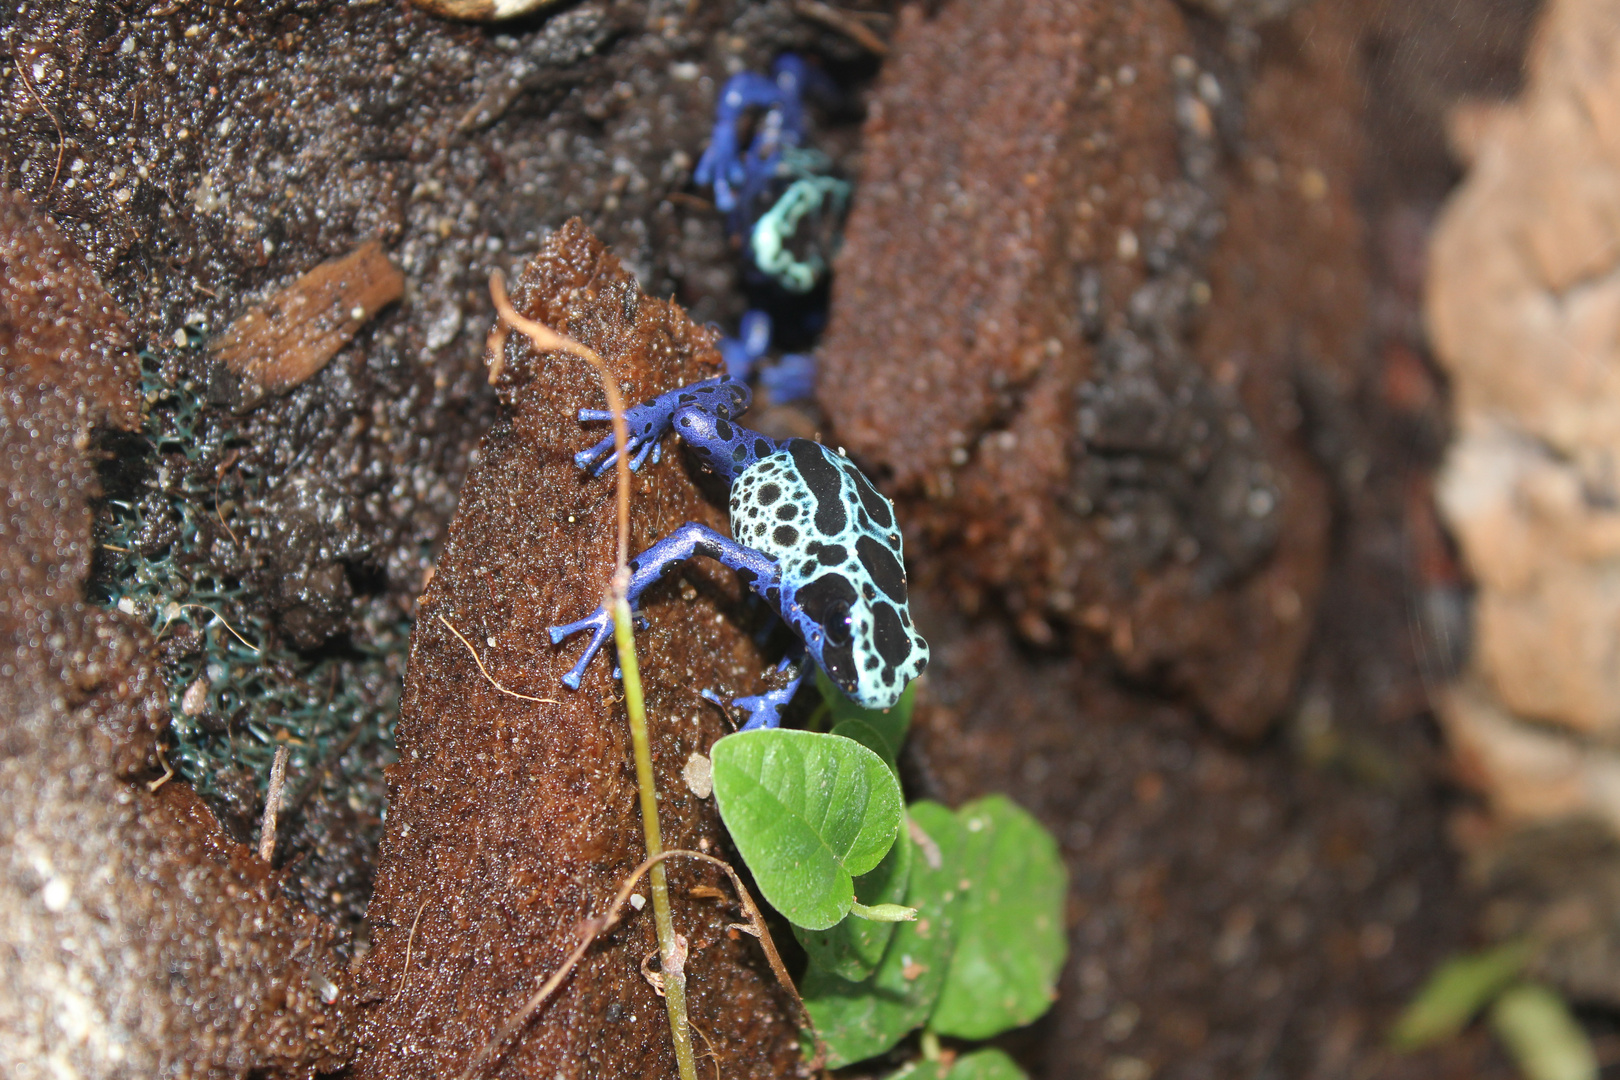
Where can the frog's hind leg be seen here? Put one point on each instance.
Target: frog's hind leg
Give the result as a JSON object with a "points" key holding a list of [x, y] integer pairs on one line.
{"points": [[759, 572]]}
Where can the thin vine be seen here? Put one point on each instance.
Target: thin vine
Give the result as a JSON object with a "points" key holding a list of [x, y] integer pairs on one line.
{"points": [[671, 946]]}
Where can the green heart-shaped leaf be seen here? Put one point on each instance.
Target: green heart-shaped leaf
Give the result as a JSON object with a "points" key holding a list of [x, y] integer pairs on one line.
{"points": [[851, 950], [1012, 942], [807, 812], [987, 1064], [859, 1019]]}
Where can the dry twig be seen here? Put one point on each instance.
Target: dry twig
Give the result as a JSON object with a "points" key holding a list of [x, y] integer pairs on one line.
{"points": [[485, 672], [545, 339], [272, 802], [591, 929], [61, 139], [405, 972], [844, 22]]}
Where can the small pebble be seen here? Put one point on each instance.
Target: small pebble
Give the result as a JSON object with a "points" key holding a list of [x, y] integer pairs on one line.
{"points": [[699, 775]]}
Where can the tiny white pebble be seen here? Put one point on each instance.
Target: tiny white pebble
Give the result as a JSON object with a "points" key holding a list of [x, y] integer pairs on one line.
{"points": [[637, 901], [195, 699], [179, 339], [357, 312], [56, 894], [699, 775]]}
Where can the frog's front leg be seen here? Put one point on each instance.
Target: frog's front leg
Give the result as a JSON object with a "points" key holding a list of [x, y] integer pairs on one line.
{"points": [[757, 571], [765, 710], [702, 403]]}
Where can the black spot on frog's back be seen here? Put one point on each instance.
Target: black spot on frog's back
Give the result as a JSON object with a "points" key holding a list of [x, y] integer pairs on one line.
{"points": [[893, 643], [875, 503], [825, 481], [884, 568]]}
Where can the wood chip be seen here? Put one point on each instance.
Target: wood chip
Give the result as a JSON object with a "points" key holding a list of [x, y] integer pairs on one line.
{"points": [[483, 10], [278, 344]]}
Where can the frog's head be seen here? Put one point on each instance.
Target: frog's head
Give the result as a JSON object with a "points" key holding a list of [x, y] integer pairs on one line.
{"points": [[862, 637]]}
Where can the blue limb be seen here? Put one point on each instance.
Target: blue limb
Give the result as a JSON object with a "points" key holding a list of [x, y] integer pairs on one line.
{"points": [[791, 378], [757, 571], [752, 340], [701, 414], [722, 164], [765, 710], [740, 179], [723, 398]]}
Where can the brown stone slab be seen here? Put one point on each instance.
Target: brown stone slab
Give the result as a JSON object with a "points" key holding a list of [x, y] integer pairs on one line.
{"points": [[511, 820], [1078, 391]]}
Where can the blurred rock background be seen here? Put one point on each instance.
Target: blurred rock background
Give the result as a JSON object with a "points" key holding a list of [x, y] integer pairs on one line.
{"points": [[1524, 307]]}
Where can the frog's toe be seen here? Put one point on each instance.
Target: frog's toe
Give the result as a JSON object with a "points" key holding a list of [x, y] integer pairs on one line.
{"points": [[764, 710], [586, 458], [598, 621]]}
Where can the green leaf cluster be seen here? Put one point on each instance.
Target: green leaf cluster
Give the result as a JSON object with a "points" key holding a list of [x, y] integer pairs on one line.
{"points": [[989, 1064], [1533, 1023], [984, 954], [819, 820]]}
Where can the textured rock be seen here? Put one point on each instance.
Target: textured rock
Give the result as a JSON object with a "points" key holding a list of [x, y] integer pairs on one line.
{"points": [[137, 939], [1524, 309], [1524, 305], [1080, 393], [510, 821]]}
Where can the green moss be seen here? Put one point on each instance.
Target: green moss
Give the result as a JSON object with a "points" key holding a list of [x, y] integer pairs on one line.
{"points": [[169, 555]]}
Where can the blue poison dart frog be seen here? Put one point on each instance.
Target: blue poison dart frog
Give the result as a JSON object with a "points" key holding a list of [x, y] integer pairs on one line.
{"points": [[814, 538]]}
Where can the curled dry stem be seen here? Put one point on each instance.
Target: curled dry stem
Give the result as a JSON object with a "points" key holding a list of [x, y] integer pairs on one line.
{"points": [[591, 929], [544, 339], [485, 671]]}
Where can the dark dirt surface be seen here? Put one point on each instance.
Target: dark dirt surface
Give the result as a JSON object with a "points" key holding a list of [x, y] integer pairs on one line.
{"points": [[1108, 589], [139, 939], [509, 820]]}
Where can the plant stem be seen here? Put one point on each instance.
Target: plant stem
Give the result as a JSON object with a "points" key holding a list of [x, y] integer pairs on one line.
{"points": [[671, 953], [671, 948]]}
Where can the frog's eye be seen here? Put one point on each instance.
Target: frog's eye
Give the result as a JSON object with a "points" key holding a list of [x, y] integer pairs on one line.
{"points": [[837, 615]]}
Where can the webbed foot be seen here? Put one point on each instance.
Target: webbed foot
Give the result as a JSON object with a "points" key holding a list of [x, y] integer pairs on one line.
{"points": [[600, 622]]}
